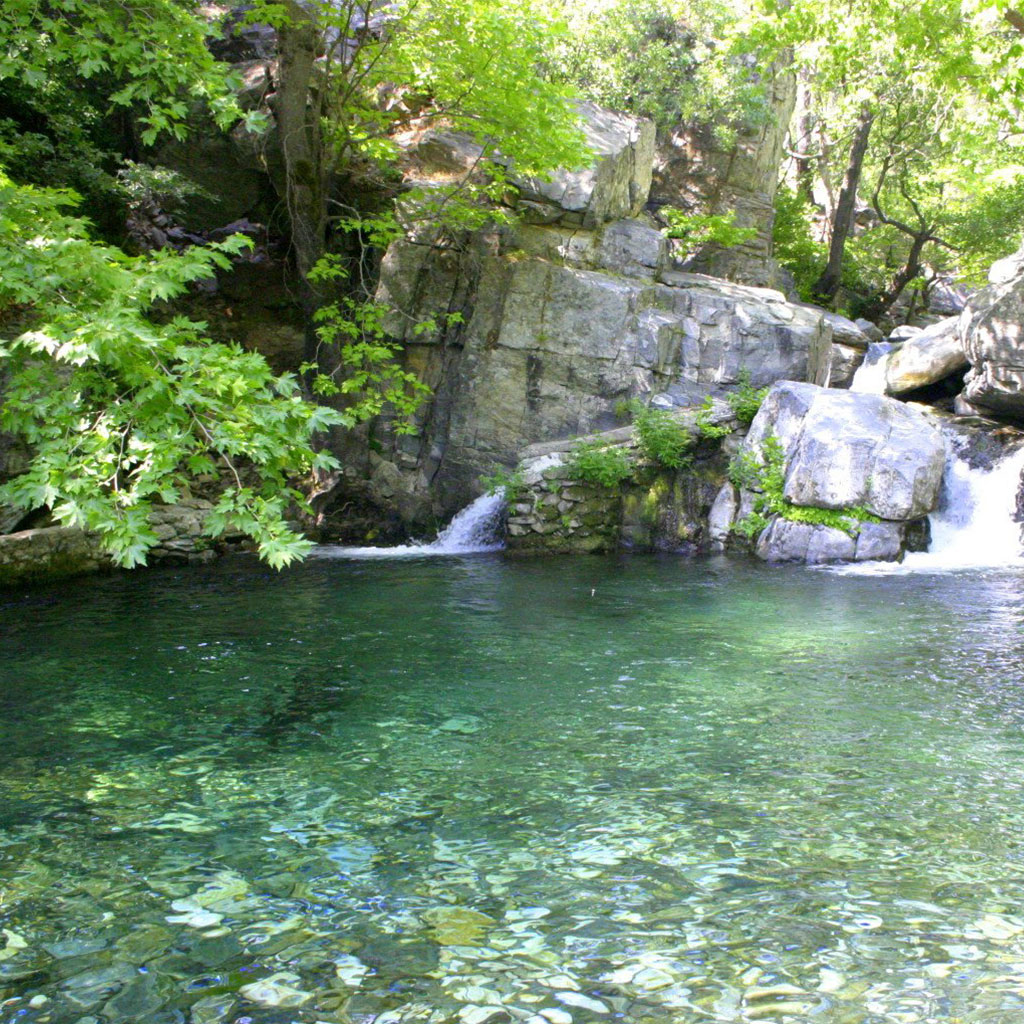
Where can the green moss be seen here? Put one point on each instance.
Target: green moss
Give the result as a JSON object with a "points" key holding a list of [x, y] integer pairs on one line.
{"points": [[767, 475]]}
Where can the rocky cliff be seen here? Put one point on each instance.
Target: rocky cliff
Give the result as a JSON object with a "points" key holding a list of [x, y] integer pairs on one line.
{"points": [[562, 316]]}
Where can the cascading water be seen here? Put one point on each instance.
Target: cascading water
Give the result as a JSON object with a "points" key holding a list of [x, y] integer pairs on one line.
{"points": [[975, 526], [870, 375], [472, 531]]}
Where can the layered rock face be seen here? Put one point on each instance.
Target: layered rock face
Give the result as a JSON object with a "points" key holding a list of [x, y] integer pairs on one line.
{"points": [[845, 451], [566, 316], [695, 170]]}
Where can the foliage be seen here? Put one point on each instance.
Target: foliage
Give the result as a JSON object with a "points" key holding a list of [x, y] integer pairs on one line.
{"points": [[705, 428], [699, 229], [149, 56], [507, 481], [665, 439], [596, 462], [141, 184], [937, 87], [746, 399], [121, 410], [764, 473], [670, 60], [662, 438], [795, 247]]}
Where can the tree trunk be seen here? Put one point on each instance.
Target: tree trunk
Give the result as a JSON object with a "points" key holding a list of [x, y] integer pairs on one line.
{"points": [[825, 288], [305, 174], [910, 269], [805, 160]]}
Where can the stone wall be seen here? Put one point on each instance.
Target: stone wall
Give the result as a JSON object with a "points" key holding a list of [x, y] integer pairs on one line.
{"points": [[551, 511]]}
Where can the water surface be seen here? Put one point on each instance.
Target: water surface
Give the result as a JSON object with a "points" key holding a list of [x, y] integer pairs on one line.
{"points": [[467, 790]]}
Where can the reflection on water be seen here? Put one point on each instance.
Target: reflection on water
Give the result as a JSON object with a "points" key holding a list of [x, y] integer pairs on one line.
{"points": [[464, 790]]}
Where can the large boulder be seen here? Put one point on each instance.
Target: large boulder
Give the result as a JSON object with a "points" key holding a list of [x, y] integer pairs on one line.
{"points": [[992, 332], [847, 449], [844, 331], [934, 354], [816, 544], [614, 185]]}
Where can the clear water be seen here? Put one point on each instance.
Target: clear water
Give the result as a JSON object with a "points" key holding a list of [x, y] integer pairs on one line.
{"points": [[467, 790]]}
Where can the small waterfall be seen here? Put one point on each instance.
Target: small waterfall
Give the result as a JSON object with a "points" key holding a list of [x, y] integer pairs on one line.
{"points": [[870, 375], [974, 526], [472, 531]]}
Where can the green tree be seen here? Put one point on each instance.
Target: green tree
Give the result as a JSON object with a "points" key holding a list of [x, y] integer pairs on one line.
{"points": [[121, 409], [123, 403], [900, 101], [349, 82]]}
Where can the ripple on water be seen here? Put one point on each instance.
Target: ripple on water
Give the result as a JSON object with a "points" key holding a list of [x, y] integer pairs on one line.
{"points": [[449, 791]]}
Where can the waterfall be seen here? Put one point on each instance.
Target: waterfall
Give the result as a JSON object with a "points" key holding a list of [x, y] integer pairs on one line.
{"points": [[974, 526], [473, 530], [870, 375]]}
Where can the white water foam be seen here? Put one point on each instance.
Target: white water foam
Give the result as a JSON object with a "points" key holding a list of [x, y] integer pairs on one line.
{"points": [[472, 531], [870, 375], [974, 526]]}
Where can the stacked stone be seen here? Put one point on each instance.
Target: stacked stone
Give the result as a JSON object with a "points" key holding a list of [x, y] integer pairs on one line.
{"points": [[179, 529], [553, 513]]}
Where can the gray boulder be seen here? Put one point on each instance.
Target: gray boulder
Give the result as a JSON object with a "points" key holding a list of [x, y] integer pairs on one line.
{"points": [[873, 332], [845, 449], [814, 544], [930, 356], [846, 361], [903, 333], [616, 184], [844, 330], [947, 298], [992, 333], [786, 541]]}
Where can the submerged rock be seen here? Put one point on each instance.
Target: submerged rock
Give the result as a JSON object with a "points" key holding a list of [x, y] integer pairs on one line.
{"points": [[458, 926]]}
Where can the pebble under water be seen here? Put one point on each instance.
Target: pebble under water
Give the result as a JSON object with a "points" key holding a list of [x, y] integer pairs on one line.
{"points": [[466, 790]]}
